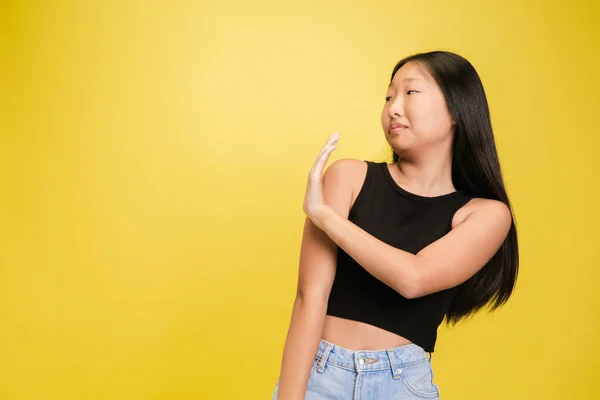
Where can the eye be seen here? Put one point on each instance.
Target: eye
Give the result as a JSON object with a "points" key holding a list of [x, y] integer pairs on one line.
{"points": [[388, 98], [410, 91]]}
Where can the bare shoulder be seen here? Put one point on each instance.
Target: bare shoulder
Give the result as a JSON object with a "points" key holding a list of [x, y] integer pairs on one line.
{"points": [[481, 206], [349, 166], [349, 172]]}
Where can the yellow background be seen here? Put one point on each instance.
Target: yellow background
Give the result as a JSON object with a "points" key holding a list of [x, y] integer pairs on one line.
{"points": [[153, 161]]}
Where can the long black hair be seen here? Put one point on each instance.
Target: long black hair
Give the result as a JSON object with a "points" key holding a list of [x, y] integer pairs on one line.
{"points": [[476, 171]]}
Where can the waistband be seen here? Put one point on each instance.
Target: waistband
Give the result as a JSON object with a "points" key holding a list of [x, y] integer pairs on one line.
{"points": [[368, 360]]}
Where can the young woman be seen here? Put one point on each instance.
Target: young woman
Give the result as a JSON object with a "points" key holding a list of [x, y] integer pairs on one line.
{"points": [[390, 250]]}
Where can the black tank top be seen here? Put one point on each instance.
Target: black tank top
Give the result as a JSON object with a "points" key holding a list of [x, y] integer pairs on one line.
{"points": [[406, 221]]}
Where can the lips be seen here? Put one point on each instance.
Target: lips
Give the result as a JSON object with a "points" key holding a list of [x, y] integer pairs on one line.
{"points": [[396, 125]]}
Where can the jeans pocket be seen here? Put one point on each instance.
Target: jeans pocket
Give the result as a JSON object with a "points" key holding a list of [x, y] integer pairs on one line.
{"points": [[418, 379], [314, 367]]}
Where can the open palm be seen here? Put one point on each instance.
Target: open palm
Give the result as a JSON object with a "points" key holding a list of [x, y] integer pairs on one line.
{"points": [[314, 188]]}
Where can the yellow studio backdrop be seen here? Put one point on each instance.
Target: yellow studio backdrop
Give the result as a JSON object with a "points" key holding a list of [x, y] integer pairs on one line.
{"points": [[153, 162]]}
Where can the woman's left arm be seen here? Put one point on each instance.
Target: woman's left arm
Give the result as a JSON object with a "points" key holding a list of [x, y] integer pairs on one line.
{"points": [[443, 264]]}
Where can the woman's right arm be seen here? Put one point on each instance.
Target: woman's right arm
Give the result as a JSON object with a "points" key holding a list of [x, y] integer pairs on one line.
{"points": [[317, 266]]}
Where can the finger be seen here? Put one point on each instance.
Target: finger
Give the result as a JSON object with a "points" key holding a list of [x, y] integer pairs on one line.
{"points": [[333, 136], [323, 154], [333, 139], [320, 164]]}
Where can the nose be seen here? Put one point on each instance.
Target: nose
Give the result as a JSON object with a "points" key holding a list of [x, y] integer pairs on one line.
{"points": [[395, 108]]}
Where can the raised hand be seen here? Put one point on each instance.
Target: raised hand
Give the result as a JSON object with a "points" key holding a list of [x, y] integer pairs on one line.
{"points": [[313, 199]]}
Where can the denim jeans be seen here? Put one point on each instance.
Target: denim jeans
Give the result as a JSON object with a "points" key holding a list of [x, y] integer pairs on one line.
{"points": [[399, 373]]}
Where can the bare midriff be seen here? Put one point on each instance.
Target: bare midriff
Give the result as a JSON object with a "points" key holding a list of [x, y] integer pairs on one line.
{"points": [[355, 335]]}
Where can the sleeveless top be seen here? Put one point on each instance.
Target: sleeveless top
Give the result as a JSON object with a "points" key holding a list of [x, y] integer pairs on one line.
{"points": [[408, 222]]}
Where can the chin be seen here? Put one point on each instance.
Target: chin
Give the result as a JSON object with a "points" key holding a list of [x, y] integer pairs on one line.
{"points": [[399, 145]]}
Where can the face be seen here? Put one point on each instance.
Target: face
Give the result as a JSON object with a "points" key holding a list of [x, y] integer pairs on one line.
{"points": [[415, 101]]}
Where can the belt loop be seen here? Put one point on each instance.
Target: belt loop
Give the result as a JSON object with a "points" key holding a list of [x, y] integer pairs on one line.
{"points": [[323, 359], [396, 370]]}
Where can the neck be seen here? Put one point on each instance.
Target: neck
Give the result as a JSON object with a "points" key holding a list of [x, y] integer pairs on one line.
{"points": [[428, 174]]}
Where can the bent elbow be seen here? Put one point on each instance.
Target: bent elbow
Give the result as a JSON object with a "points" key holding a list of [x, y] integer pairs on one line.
{"points": [[410, 293], [410, 287]]}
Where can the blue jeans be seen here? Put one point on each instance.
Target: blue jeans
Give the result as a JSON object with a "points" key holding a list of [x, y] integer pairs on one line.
{"points": [[399, 373]]}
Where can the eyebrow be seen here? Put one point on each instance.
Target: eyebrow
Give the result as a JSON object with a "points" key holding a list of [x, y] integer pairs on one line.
{"points": [[406, 80]]}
